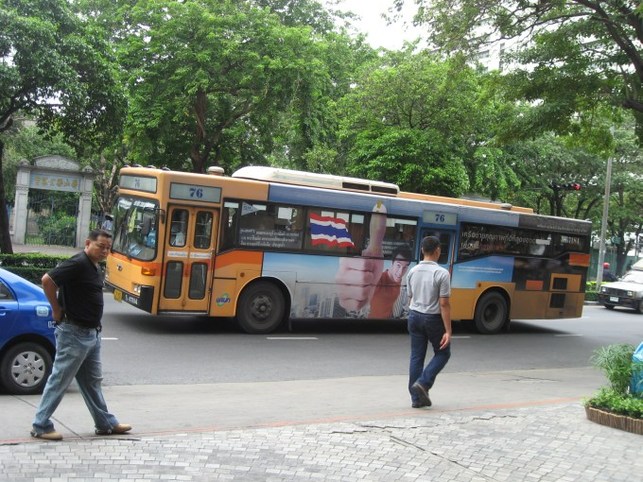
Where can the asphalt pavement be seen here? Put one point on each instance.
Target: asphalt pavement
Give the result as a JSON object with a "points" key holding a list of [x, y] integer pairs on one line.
{"points": [[491, 426]]}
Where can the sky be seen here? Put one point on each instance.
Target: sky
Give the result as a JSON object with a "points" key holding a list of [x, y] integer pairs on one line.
{"points": [[379, 34]]}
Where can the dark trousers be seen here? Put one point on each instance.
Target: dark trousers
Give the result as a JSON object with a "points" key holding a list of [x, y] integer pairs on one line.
{"points": [[425, 329]]}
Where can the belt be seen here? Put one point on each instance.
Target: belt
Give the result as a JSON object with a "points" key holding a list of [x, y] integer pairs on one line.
{"points": [[69, 321]]}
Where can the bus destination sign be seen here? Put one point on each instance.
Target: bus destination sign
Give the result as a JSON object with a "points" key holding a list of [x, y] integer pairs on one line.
{"points": [[139, 183], [441, 218], [195, 192]]}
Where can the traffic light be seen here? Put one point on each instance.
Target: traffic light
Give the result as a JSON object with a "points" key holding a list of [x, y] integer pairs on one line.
{"points": [[570, 186]]}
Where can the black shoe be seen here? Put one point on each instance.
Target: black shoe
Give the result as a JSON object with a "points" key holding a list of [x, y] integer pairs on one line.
{"points": [[422, 394], [419, 405]]}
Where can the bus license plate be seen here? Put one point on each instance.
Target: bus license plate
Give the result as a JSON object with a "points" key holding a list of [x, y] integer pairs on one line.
{"points": [[614, 299], [118, 295]]}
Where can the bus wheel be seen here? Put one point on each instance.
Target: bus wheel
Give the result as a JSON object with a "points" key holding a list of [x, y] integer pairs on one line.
{"points": [[491, 313], [261, 308]]}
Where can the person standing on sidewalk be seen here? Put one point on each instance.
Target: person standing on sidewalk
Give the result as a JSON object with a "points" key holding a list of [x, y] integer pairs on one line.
{"points": [[74, 289], [429, 289]]}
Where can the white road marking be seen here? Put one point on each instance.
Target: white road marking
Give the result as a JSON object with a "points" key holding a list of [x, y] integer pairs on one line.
{"points": [[292, 338]]}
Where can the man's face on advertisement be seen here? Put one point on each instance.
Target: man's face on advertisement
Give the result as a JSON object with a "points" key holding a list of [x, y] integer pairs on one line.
{"points": [[398, 269]]}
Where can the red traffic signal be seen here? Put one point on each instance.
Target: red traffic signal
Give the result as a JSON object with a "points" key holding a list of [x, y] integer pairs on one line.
{"points": [[570, 186]]}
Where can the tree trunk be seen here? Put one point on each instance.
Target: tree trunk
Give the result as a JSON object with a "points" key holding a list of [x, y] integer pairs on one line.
{"points": [[5, 237]]}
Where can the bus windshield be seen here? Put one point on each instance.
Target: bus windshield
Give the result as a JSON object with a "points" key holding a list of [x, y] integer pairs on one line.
{"points": [[135, 222]]}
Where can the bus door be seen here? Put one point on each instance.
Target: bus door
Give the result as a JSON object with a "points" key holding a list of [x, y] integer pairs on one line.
{"points": [[189, 247], [447, 241]]}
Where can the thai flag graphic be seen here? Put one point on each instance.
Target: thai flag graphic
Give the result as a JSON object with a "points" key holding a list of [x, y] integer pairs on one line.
{"points": [[329, 231]]}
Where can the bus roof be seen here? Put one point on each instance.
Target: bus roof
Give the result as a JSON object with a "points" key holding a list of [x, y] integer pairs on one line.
{"points": [[329, 181], [464, 202]]}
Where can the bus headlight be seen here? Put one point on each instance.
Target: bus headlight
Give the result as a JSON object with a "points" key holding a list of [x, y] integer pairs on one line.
{"points": [[137, 289]]}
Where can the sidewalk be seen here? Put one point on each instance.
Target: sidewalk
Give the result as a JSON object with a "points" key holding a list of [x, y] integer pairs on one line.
{"points": [[45, 249], [497, 426]]}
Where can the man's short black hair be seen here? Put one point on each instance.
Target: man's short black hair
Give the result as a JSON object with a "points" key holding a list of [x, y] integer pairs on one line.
{"points": [[94, 234], [430, 244], [403, 252]]}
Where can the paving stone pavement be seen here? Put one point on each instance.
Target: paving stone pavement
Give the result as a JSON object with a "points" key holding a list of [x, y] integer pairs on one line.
{"points": [[537, 443]]}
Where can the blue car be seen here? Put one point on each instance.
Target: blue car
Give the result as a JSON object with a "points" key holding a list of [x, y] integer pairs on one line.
{"points": [[27, 341]]}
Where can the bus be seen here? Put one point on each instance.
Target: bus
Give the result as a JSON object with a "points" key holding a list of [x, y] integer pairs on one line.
{"points": [[268, 245]]}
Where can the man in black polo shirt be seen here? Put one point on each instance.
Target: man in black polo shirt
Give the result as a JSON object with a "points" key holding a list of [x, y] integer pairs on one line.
{"points": [[75, 291]]}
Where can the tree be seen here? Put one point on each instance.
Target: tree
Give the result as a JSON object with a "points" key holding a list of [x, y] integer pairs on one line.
{"points": [[425, 124], [57, 69], [625, 222], [545, 164], [209, 81], [26, 142], [579, 52]]}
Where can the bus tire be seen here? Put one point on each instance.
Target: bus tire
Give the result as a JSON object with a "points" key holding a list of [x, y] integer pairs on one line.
{"points": [[491, 313], [261, 308]]}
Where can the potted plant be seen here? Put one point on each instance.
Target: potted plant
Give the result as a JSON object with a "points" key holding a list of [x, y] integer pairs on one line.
{"points": [[614, 405]]}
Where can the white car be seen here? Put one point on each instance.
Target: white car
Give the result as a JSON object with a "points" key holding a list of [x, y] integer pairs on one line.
{"points": [[627, 292]]}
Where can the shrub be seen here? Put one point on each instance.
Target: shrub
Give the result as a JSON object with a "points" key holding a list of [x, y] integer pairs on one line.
{"points": [[616, 363], [30, 266], [57, 229], [609, 400]]}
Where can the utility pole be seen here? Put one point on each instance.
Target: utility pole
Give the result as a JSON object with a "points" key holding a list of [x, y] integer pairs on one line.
{"points": [[606, 204]]}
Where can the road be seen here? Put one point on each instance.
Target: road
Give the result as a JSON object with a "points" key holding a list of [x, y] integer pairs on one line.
{"points": [[139, 349]]}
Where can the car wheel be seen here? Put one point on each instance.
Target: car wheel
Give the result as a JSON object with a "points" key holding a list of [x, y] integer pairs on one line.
{"points": [[609, 307], [261, 308], [24, 369], [640, 308], [491, 313]]}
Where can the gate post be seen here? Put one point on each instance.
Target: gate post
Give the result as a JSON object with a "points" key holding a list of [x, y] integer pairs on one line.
{"points": [[21, 202], [84, 206]]}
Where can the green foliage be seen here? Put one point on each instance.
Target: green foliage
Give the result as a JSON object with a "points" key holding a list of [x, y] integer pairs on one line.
{"points": [[59, 229], [57, 66], [28, 142], [216, 82], [31, 266], [424, 123], [568, 75], [613, 401], [616, 363]]}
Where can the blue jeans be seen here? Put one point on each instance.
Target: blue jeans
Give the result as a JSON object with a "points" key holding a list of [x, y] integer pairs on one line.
{"points": [[77, 355], [425, 329]]}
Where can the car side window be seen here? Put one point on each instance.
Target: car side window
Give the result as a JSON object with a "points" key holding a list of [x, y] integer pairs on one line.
{"points": [[5, 292]]}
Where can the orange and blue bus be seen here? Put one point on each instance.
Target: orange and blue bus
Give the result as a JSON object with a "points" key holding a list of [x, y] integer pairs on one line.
{"points": [[268, 245]]}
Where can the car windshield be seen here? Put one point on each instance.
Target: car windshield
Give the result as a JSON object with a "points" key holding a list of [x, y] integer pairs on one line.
{"points": [[633, 277]]}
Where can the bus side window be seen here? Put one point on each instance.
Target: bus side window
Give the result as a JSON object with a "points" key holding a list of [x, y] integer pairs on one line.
{"points": [[202, 230], [229, 223], [179, 227]]}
